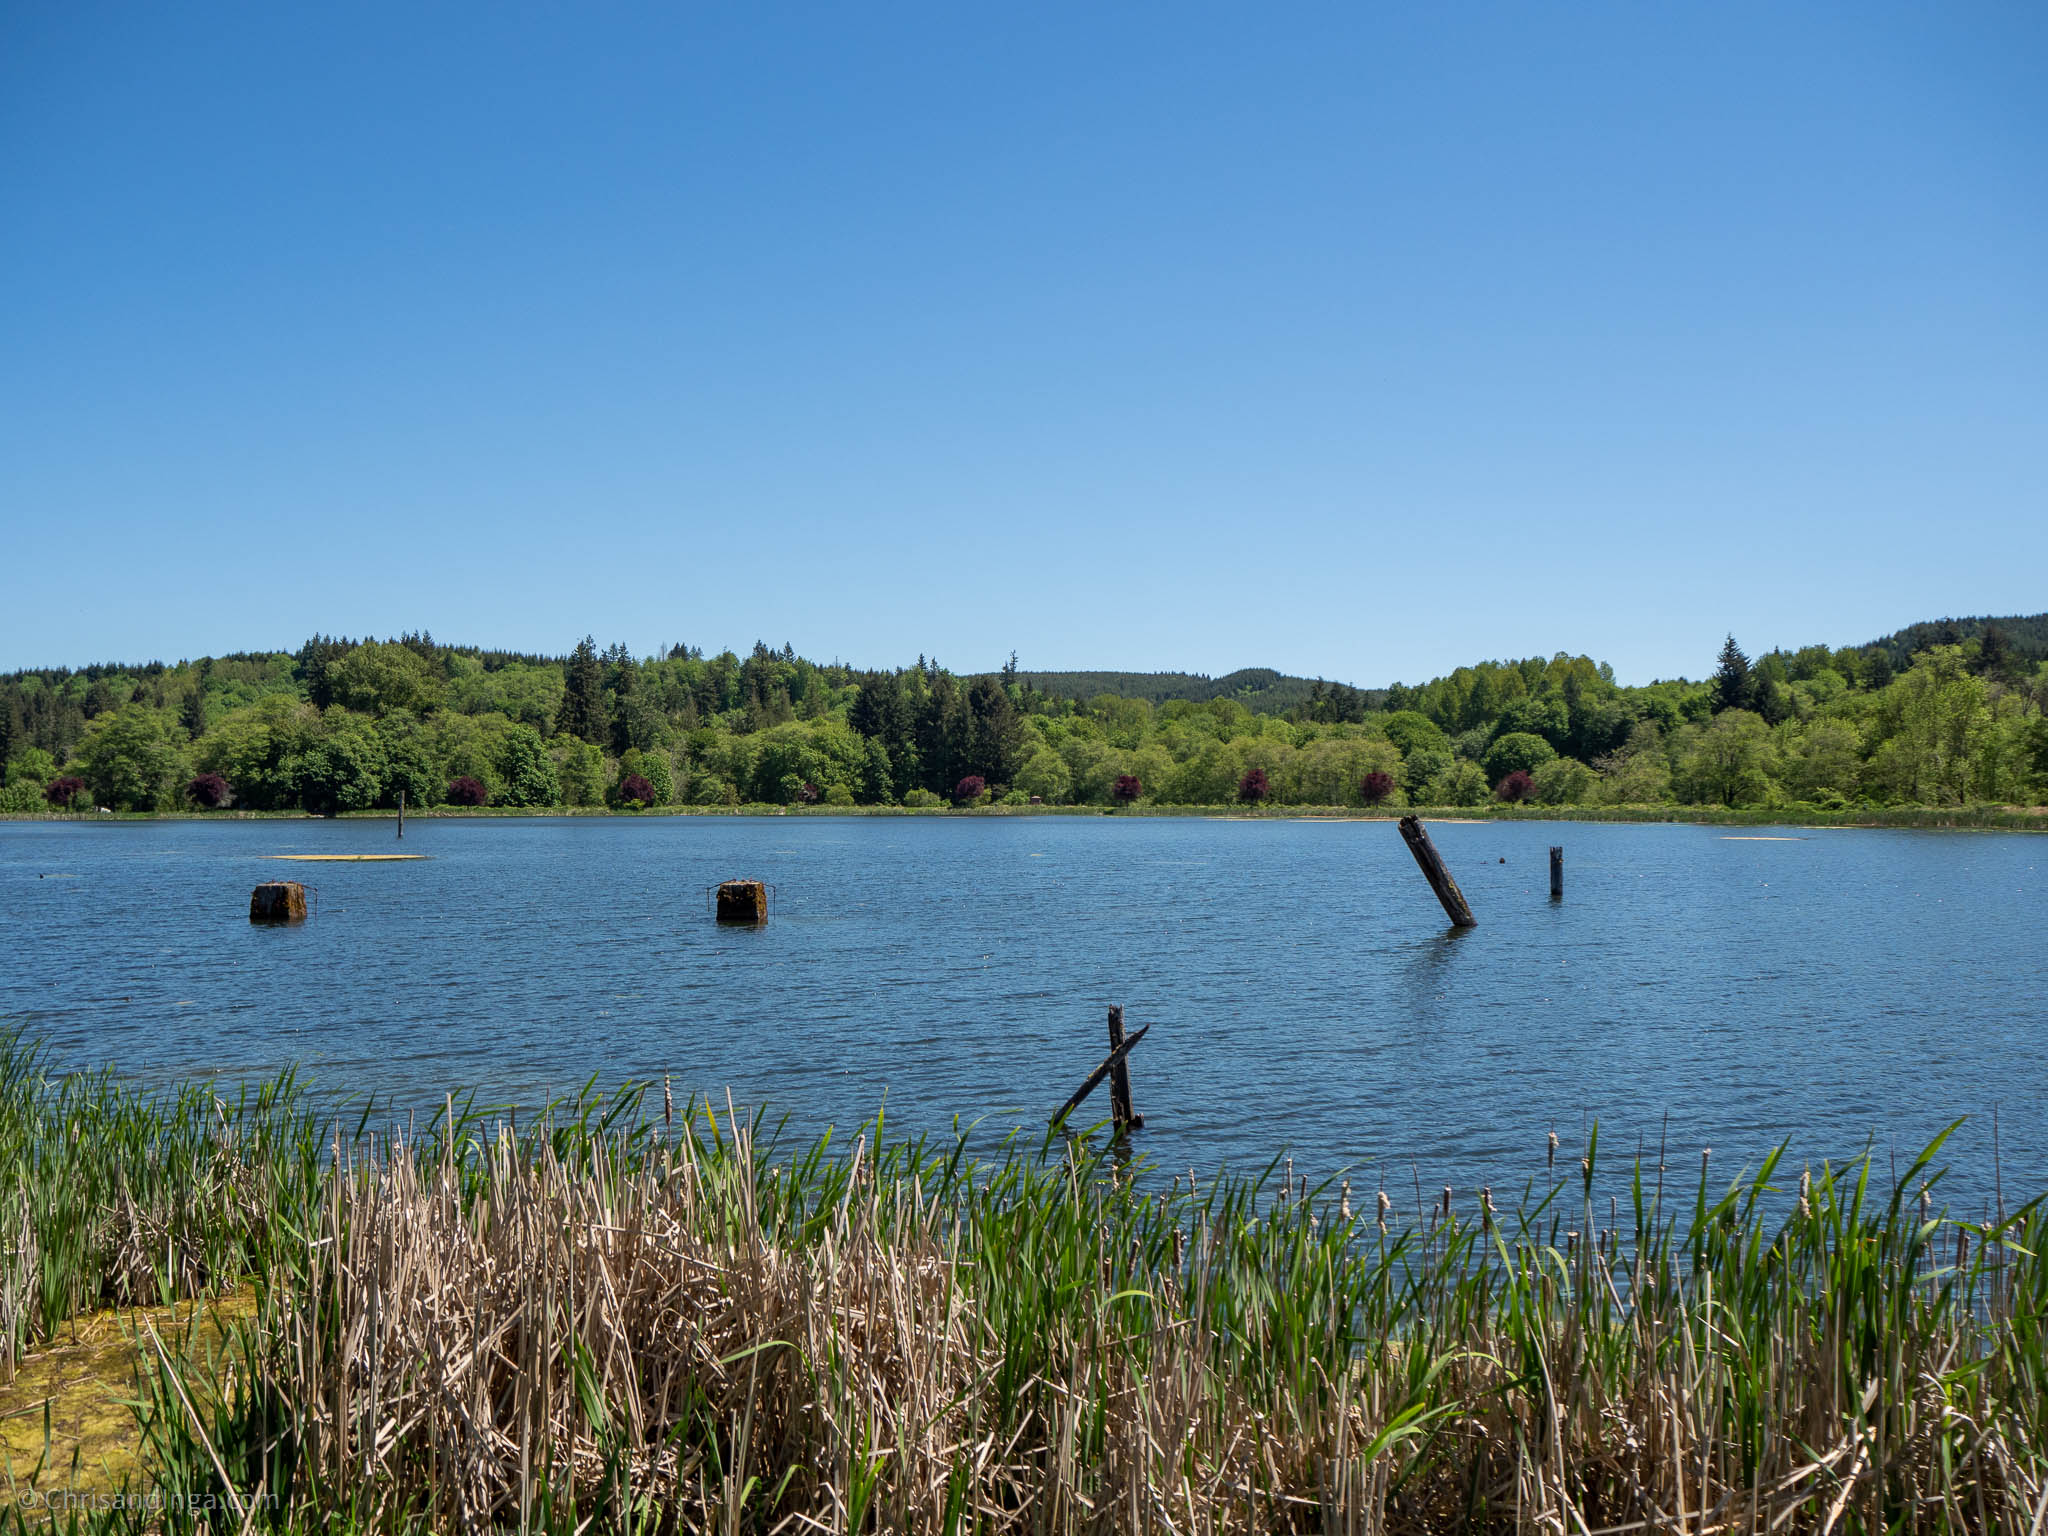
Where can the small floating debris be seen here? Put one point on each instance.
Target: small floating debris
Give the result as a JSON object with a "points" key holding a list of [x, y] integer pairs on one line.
{"points": [[1728, 839], [348, 858]]}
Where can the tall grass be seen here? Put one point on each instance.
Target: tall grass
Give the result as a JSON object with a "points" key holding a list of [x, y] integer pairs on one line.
{"points": [[110, 1196], [620, 1317]]}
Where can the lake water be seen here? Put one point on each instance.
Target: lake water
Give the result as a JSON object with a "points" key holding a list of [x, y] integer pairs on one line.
{"points": [[1722, 987]]}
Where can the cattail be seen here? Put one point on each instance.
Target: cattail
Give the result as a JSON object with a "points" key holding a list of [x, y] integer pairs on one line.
{"points": [[1386, 1206], [1180, 1246], [1926, 1203], [668, 1104], [1805, 1190], [1550, 1158], [1344, 1202], [1705, 1153], [1962, 1247], [1447, 1203], [1486, 1205], [1571, 1243]]}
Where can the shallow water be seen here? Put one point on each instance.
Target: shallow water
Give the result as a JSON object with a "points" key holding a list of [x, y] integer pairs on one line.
{"points": [[1704, 986]]}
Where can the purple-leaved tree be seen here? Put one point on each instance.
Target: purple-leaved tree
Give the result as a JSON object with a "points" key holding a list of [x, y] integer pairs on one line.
{"points": [[209, 791]]}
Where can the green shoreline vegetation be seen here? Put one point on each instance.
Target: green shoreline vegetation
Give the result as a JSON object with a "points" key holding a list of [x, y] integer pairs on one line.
{"points": [[1941, 724], [624, 1313]]}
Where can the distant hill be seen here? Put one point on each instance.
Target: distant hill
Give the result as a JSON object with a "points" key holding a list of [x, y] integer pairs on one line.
{"points": [[2026, 634], [1259, 689]]}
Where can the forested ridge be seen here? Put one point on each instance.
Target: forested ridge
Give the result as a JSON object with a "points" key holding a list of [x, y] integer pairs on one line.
{"points": [[1942, 714]]}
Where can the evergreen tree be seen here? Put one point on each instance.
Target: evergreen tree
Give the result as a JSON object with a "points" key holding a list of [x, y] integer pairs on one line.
{"points": [[311, 664], [1994, 654], [583, 712], [192, 710], [1731, 678], [995, 733]]}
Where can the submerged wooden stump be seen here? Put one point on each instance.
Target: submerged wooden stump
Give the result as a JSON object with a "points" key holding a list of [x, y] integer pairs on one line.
{"points": [[278, 901], [743, 901]]}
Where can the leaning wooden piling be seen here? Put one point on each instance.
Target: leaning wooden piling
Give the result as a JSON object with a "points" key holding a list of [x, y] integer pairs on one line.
{"points": [[1557, 874], [1114, 1059], [1439, 877]]}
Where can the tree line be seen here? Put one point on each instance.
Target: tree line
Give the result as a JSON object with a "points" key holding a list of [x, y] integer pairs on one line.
{"points": [[345, 725]]}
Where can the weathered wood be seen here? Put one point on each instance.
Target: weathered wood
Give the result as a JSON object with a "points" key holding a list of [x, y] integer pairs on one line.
{"points": [[278, 901], [1433, 870], [1095, 1078], [1120, 1109], [1557, 874], [743, 901]]}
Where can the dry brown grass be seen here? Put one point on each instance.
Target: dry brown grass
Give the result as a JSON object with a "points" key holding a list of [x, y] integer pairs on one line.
{"points": [[688, 1341]]}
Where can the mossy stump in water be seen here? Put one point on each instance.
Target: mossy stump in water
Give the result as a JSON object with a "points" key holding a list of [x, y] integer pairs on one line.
{"points": [[278, 901], [742, 901]]}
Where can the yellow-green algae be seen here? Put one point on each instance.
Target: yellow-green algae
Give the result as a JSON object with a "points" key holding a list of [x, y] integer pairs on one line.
{"points": [[67, 1423]]}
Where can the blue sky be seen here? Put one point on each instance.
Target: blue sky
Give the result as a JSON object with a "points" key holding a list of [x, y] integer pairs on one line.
{"points": [[1355, 341]]}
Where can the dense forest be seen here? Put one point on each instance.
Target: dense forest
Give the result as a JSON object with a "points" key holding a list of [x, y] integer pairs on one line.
{"points": [[1942, 714]]}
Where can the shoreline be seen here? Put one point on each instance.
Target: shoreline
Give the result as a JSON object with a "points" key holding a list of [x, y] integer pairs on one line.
{"points": [[1951, 818]]}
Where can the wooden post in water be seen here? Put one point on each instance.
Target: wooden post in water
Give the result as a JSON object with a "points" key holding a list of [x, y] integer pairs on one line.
{"points": [[1557, 874], [1095, 1078], [1120, 1112], [401, 813], [1433, 870]]}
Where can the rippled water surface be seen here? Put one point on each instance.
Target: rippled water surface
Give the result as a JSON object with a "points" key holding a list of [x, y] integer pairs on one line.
{"points": [[1838, 988]]}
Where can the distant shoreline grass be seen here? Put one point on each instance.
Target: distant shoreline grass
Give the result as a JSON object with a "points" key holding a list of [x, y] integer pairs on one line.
{"points": [[621, 1314], [1994, 818]]}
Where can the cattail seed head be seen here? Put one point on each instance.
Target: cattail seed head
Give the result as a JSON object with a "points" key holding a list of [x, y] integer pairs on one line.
{"points": [[1344, 1201], [668, 1103], [1447, 1203], [1550, 1159], [1386, 1205]]}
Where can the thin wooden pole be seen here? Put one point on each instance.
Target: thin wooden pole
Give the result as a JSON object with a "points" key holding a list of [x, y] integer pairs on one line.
{"points": [[1557, 874], [1121, 1113], [1095, 1078], [401, 813], [1433, 870]]}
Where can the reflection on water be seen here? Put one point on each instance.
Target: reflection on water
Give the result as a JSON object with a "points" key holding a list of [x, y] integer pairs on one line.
{"points": [[1837, 987]]}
